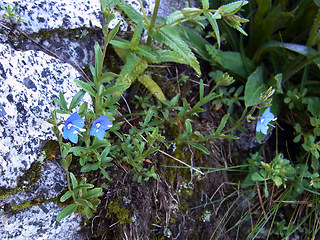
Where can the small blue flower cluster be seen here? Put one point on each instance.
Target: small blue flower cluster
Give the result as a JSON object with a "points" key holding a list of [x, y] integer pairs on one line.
{"points": [[75, 123]]}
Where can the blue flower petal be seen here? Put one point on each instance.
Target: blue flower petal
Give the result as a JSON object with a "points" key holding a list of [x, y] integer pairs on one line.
{"points": [[268, 115], [101, 124], [262, 124], [72, 126]]}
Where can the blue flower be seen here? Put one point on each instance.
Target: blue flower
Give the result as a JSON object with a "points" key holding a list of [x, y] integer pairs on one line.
{"points": [[263, 122], [101, 124], [72, 126]]}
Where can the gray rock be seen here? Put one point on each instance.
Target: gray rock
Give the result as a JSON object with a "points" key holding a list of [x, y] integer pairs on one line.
{"points": [[38, 222], [51, 183], [28, 82]]}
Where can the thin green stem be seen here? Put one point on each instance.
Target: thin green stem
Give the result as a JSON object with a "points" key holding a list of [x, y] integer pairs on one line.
{"points": [[144, 13], [153, 21]]}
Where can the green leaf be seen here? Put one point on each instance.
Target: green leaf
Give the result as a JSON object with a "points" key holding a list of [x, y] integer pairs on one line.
{"points": [[84, 185], [98, 59], [65, 196], [63, 101], [105, 174], [170, 37], [188, 127], [232, 7], [232, 61], [313, 105], [92, 193], [86, 87], [136, 35], [115, 89], [174, 17], [254, 88], [121, 43], [222, 123], [152, 86], [88, 212], [214, 25], [67, 211], [76, 99], [89, 167], [73, 180], [276, 82], [307, 51], [114, 31], [205, 4], [200, 147], [133, 14], [257, 177]]}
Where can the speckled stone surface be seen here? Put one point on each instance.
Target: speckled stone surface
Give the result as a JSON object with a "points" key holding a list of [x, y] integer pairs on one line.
{"points": [[39, 223], [28, 82], [67, 14]]}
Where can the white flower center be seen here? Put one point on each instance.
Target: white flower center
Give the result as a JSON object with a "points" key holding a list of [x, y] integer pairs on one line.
{"points": [[98, 125], [69, 126], [262, 120]]}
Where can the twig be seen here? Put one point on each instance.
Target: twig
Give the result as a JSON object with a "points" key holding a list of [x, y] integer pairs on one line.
{"points": [[261, 203]]}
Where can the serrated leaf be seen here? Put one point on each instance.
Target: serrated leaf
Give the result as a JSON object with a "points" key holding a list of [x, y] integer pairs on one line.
{"points": [[107, 4], [232, 7], [170, 37], [133, 14], [86, 87], [92, 193], [67, 211], [214, 25], [174, 17], [254, 87], [65, 196], [152, 86], [76, 99], [200, 147]]}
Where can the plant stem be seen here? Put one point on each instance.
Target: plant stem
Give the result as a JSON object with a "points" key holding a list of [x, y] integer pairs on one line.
{"points": [[153, 21]]}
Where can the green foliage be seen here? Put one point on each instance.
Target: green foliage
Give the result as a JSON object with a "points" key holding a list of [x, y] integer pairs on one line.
{"points": [[10, 14]]}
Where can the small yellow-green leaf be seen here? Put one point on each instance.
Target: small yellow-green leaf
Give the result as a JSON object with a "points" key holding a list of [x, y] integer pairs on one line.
{"points": [[152, 86]]}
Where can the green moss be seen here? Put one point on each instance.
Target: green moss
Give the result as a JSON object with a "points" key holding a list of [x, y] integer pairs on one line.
{"points": [[30, 177], [121, 213]]}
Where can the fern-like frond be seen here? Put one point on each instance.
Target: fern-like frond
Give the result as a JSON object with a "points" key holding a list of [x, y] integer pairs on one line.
{"points": [[170, 37]]}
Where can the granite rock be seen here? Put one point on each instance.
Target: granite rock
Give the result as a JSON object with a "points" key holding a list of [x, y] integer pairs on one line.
{"points": [[28, 82], [38, 222]]}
